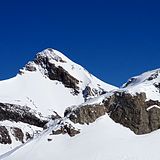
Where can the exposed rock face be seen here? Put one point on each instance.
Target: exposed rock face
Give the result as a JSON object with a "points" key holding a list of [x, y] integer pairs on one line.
{"points": [[85, 114], [69, 129], [66, 128], [30, 67], [18, 134], [153, 76], [4, 136], [131, 111], [18, 113], [57, 73], [134, 112], [89, 92], [157, 85], [131, 80]]}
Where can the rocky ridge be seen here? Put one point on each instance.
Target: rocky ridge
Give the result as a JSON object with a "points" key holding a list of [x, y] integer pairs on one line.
{"points": [[136, 105], [22, 114]]}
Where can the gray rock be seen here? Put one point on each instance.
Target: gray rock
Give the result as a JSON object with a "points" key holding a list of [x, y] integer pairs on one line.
{"points": [[131, 111], [85, 114], [18, 113], [18, 134], [57, 73], [4, 136]]}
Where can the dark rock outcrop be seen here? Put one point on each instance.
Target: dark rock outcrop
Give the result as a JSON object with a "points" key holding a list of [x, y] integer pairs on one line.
{"points": [[131, 111], [4, 136], [18, 134], [66, 128], [30, 67], [57, 73], [18, 113], [85, 114], [157, 85], [153, 76], [134, 112]]}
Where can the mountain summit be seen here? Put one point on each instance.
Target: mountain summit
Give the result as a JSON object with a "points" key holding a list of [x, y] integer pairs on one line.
{"points": [[52, 82], [55, 109], [41, 91]]}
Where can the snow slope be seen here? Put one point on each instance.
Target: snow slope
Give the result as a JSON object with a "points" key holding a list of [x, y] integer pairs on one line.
{"points": [[26, 128], [147, 82], [35, 90], [101, 140]]}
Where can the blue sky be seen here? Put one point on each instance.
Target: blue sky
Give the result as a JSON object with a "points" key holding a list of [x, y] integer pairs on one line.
{"points": [[114, 40]]}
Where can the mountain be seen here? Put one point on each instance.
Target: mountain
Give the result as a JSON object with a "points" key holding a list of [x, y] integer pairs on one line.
{"points": [[148, 82], [55, 109], [51, 82], [135, 105], [101, 140], [40, 92]]}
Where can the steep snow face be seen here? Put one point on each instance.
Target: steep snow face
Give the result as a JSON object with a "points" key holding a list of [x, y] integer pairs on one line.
{"points": [[38, 87], [148, 82], [101, 140]]}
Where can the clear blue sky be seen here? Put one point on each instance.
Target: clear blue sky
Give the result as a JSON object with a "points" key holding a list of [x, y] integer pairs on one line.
{"points": [[114, 40]]}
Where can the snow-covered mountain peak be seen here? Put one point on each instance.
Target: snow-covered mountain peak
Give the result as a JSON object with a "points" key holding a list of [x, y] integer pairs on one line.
{"points": [[55, 65], [148, 82], [52, 100], [52, 55], [149, 77], [47, 79]]}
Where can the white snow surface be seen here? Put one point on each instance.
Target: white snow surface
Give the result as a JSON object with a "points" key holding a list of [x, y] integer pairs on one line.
{"points": [[101, 140], [35, 90], [154, 106], [26, 128], [144, 83]]}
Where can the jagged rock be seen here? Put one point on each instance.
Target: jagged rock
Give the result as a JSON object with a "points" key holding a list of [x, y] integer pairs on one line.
{"points": [[71, 130], [18, 134], [30, 67], [87, 92], [153, 76], [85, 114], [157, 85], [131, 80], [57, 73], [66, 128], [19, 113], [131, 111], [28, 136], [4, 136], [55, 115]]}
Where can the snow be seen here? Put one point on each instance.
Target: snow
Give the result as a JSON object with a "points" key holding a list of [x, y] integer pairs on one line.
{"points": [[143, 83], [44, 96], [26, 128], [35, 90], [101, 140], [75, 70], [154, 106]]}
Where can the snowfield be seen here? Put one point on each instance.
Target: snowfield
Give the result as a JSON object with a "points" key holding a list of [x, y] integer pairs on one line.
{"points": [[146, 83], [102, 140]]}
